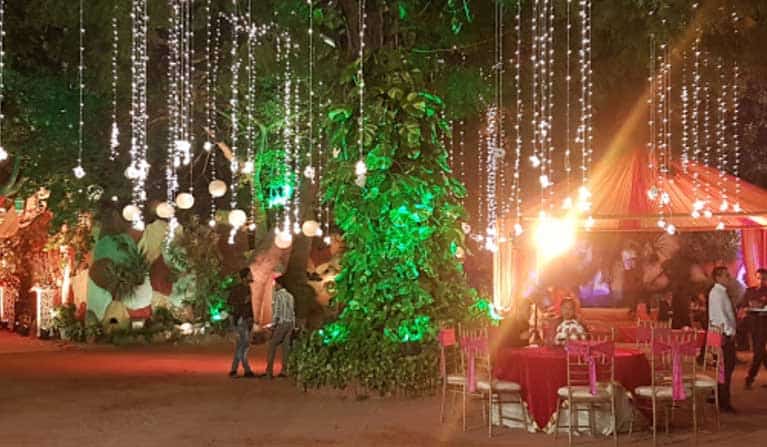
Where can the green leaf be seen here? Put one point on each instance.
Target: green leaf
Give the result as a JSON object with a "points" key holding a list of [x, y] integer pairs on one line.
{"points": [[340, 114]]}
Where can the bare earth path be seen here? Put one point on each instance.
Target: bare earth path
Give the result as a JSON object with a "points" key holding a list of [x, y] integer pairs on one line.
{"points": [[66, 396]]}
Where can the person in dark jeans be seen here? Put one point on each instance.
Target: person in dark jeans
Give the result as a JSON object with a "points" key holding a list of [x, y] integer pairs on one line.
{"points": [[242, 319], [721, 313], [756, 298], [283, 324]]}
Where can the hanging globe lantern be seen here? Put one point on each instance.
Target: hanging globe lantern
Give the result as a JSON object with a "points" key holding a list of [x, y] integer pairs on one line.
{"points": [[310, 228], [237, 218], [131, 213], [165, 210], [184, 201], [283, 240], [217, 188]]}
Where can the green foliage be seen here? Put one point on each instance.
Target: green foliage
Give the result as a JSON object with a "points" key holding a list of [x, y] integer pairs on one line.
{"points": [[67, 325], [709, 246], [400, 280], [124, 277], [194, 252]]}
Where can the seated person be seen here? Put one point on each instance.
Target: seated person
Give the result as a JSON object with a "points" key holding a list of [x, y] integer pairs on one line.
{"points": [[569, 328]]}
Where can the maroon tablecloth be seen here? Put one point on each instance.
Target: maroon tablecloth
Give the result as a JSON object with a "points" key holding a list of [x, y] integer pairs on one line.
{"points": [[542, 371]]}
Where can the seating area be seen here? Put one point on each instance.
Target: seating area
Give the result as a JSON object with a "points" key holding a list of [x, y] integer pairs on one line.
{"points": [[633, 378]]}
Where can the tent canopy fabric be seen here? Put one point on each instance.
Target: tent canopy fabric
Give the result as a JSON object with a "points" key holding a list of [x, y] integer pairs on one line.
{"points": [[619, 187]]}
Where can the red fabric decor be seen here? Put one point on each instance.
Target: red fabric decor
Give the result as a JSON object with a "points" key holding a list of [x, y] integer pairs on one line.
{"points": [[542, 371], [159, 276], [140, 314], [754, 252]]}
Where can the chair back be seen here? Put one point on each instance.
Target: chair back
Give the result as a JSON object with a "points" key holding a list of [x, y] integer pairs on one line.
{"points": [[713, 362], [449, 353], [475, 355], [673, 355], [591, 362]]}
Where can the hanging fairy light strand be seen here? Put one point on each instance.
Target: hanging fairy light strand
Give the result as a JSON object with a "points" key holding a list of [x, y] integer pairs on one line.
{"points": [[585, 132], [234, 104], [210, 146], [695, 123], [139, 117], [516, 192], [3, 152], [735, 98], [114, 141], [79, 171], [360, 169], [173, 162], [722, 145]]}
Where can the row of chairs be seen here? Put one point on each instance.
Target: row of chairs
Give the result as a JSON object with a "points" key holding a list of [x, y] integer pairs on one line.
{"points": [[466, 370], [591, 384]]}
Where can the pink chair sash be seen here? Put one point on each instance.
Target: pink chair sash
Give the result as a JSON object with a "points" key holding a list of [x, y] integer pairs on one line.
{"points": [[677, 349], [590, 351], [472, 346], [715, 339]]}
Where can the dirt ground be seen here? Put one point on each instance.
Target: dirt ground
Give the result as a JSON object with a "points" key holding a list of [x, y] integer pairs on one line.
{"points": [[61, 395]]}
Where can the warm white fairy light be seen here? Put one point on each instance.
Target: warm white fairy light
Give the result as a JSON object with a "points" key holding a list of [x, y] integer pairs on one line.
{"points": [[722, 140], [585, 133], [695, 120], [549, 72], [3, 153], [79, 171], [284, 50], [297, 133], [516, 192], [114, 140], [461, 155], [173, 160], [234, 104], [139, 116], [491, 168], [684, 99], [735, 97], [362, 24]]}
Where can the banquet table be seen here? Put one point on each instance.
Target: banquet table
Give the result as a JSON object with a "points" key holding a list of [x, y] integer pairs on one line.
{"points": [[541, 371]]}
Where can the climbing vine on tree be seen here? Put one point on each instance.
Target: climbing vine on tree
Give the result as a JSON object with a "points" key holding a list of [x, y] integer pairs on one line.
{"points": [[400, 278]]}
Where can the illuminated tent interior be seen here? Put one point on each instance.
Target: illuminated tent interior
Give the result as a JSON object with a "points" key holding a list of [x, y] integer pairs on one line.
{"points": [[621, 202]]}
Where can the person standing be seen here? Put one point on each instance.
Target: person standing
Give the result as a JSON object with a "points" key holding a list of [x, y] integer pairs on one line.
{"points": [[283, 323], [242, 318], [722, 314], [756, 299]]}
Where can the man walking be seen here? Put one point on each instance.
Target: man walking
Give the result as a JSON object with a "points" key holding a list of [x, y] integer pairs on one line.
{"points": [[242, 317], [722, 314], [756, 300], [283, 323]]}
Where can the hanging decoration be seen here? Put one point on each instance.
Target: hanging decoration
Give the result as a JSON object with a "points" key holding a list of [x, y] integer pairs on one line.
{"points": [[360, 169], [114, 139], [139, 167], [79, 171], [3, 152]]}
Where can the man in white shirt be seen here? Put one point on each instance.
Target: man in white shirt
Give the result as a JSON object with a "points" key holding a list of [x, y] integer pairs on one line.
{"points": [[722, 314]]}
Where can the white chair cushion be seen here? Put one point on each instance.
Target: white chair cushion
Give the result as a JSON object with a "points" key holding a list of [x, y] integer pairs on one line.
{"points": [[500, 386], [455, 379], [604, 392], [704, 381], [661, 392]]}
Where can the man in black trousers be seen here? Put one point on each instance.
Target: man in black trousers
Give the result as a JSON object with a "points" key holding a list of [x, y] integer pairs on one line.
{"points": [[721, 313], [756, 300]]}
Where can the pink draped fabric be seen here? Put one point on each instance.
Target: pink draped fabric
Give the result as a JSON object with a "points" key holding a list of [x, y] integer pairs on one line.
{"points": [[754, 241], [472, 346], [677, 350], [590, 352]]}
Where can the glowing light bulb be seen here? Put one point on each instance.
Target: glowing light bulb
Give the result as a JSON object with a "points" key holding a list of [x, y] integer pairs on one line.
{"points": [[544, 180], [568, 203], [695, 214], [661, 223], [3, 154], [79, 171], [535, 161], [247, 167], [212, 223], [736, 208], [720, 226], [518, 229], [208, 146], [652, 193], [707, 214], [723, 207], [360, 168], [671, 229], [698, 205]]}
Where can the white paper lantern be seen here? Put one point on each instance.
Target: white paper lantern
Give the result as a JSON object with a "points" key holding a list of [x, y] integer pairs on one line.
{"points": [[310, 228], [237, 218], [185, 201], [283, 239], [165, 210], [217, 188], [131, 212]]}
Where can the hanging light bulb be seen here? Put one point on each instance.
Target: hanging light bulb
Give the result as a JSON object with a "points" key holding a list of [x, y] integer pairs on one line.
{"points": [[237, 218], [212, 223], [309, 172], [326, 240], [217, 188], [699, 205], [283, 240], [518, 229], [665, 199], [568, 203], [671, 229], [360, 168], [661, 223], [310, 228], [185, 201], [695, 214], [720, 226], [723, 207], [79, 171], [247, 168], [3, 154], [736, 208], [544, 180], [252, 227], [652, 193], [208, 146], [535, 161], [707, 214]]}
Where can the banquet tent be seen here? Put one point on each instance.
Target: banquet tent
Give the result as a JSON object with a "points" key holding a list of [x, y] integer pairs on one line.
{"points": [[625, 193]]}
